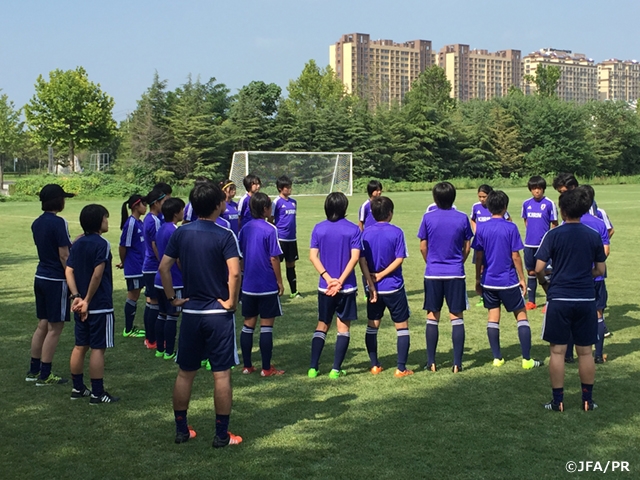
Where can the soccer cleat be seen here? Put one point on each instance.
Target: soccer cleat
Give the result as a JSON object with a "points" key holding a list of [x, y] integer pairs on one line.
{"points": [[607, 333], [51, 380], [376, 369], [333, 374], [208, 366], [230, 440], [430, 367], [569, 360], [312, 373], [150, 345], [248, 370], [402, 373], [588, 405], [135, 332], [498, 362], [106, 397], [185, 437], [169, 356], [556, 407], [530, 306], [76, 394], [159, 354], [544, 309], [32, 377], [531, 363], [599, 359], [456, 369], [480, 303], [271, 372], [295, 295]]}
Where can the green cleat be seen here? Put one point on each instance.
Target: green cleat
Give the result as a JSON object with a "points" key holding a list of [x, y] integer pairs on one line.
{"points": [[336, 373], [498, 362], [312, 373], [32, 377], [480, 303], [51, 380], [134, 333], [159, 354], [167, 356], [295, 295], [531, 363]]}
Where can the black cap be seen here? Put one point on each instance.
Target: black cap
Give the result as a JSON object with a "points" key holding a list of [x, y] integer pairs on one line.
{"points": [[53, 191]]}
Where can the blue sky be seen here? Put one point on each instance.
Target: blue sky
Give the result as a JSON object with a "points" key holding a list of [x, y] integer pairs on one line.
{"points": [[121, 43]]}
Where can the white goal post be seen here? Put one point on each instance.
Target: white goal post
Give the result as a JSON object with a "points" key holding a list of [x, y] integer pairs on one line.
{"points": [[312, 173]]}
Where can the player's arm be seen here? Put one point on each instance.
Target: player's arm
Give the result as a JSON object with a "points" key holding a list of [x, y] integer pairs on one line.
{"points": [[353, 261], [473, 225], [611, 231], [314, 257], [155, 250], [275, 264], [598, 270], [466, 248], [364, 267], [63, 255], [167, 282], [81, 306], [73, 288], [607, 249], [554, 224], [517, 262], [122, 253], [233, 266], [479, 260], [424, 249], [361, 225], [377, 276], [541, 266]]}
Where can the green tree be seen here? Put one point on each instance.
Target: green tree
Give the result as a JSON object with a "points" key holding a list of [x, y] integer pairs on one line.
{"points": [[432, 88], [70, 111], [10, 131], [546, 80], [507, 145]]}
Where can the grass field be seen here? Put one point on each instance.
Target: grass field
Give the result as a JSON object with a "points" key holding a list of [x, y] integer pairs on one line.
{"points": [[482, 423]]}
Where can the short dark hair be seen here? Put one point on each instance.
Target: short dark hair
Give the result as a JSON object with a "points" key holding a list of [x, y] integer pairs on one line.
{"points": [[567, 180], [91, 218], [171, 208], [484, 188], [373, 186], [283, 182], [249, 180], [497, 202], [444, 194], [574, 203], [381, 208], [259, 201], [205, 198], [537, 182], [53, 205], [590, 191], [335, 206], [163, 187]]}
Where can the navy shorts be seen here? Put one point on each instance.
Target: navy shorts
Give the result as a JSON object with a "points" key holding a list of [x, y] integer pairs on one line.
{"points": [[134, 283], [601, 295], [566, 318], [511, 298], [343, 305], [165, 305], [530, 258], [149, 286], [289, 251], [265, 306], [96, 331], [209, 336], [454, 290], [52, 300], [397, 304]]}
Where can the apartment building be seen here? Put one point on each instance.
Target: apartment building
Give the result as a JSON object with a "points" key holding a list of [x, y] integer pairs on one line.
{"points": [[619, 80]]}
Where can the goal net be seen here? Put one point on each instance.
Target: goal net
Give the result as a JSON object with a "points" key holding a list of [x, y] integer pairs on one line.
{"points": [[312, 173]]}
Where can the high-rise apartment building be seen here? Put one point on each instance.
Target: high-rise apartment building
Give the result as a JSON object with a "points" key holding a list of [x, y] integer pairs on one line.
{"points": [[619, 80], [578, 74], [381, 71], [479, 73]]}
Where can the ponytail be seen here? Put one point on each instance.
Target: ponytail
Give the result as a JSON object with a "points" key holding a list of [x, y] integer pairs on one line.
{"points": [[124, 214], [129, 204]]}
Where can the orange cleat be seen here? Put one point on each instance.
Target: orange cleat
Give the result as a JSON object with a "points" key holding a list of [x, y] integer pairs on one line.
{"points": [[248, 370], [376, 370], [150, 345], [230, 440], [401, 373], [270, 373], [530, 306]]}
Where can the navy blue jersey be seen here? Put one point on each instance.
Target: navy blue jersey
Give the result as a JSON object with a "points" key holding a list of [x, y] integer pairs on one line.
{"points": [[133, 239], [50, 232], [87, 253]]}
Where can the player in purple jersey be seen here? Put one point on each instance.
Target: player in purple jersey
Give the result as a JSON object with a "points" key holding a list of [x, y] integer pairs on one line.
{"points": [[577, 254], [445, 235], [167, 323], [131, 253], [383, 252], [540, 215], [90, 282], [284, 212], [210, 262], [500, 277], [252, 185], [230, 213], [365, 219], [261, 285], [334, 252], [51, 236]]}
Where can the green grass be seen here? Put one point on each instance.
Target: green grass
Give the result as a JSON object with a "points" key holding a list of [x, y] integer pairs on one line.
{"points": [[482, 423]]}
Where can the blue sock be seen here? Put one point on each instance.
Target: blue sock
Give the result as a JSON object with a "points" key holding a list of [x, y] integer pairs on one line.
{"points": [[130, 308], [403, 343], [170, 330], [266, 346], [569, 352], [246, 344], [35, 365], [317, 344], [181, 421], [78, 381], [159, 327], [587, 392], [45, 370], [524, 334], [532, 284], [371, 341], [432, 341], [600, 342], [493, 332], [97, 386], [558, 395], [342, 344], [457, 335], [222, 426]]}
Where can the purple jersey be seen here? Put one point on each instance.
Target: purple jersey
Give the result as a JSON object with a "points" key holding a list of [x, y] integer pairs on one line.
{"points": [[87, 253], [230, 214], [244, 212], [132, 239], [382, 243], [284, 218], [480, 213], [364, 214], [162, 240], [432, 206], [602, 215], [189, 214], [498, 239], [539, 215], [223, 222], [151, 224], [258, 243], [335, 240], [600, 227], [445, 232], [50, 232]]}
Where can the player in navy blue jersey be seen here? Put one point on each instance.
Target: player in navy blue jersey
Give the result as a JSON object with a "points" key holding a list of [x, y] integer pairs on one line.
{"points": [[252, 185], [230, 213], [91, 285], [167, 323], [383, 252], [284, 212], [540, 215], [445, 236], [577, 254], [335, 251], [500, 277], [131, 252], [365, 219], [51, 236], [209, 258]]}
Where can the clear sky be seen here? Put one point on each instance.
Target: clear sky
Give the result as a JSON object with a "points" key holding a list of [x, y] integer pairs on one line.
{"points": [[122, 42]]}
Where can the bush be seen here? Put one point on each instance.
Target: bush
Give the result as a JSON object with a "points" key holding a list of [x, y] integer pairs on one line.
{"points": [[83, 185]]}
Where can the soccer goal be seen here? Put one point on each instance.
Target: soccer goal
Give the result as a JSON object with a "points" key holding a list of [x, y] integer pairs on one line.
{"points": [[312, 173]]}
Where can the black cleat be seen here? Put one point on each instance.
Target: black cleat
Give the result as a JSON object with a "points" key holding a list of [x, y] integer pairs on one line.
{"points": [[569, 360], [106, 397], [84, 393], [431, 367], [599, 359], [556, 407], [230, 440], [589, 405]]}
